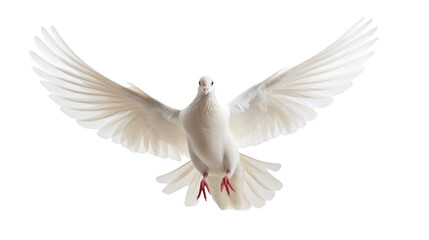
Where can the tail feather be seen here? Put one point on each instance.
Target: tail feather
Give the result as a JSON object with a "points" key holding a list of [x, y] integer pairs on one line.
{"points": [[191, 195], [263, 178], [177, 174], [258, 190], [252, 198], [260, 185], [219, 197], [185, 175], [253, 183]]}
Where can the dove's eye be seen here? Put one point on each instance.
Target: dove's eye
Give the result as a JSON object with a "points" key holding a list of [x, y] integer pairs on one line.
{"points": [[199, 83], [212, 83]]}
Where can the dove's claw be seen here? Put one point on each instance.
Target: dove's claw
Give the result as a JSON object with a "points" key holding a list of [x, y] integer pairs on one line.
{"points": [[226, 183], [204, 185]]}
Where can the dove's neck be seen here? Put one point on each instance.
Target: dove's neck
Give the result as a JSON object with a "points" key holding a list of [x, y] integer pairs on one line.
{"points": [[205, 102]]}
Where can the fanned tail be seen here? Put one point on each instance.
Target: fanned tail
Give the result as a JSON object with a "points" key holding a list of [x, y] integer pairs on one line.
{"points": [[253, 183]]}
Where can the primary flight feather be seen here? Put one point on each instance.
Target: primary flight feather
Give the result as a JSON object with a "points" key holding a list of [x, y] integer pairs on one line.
{"points": [[207, 132]]}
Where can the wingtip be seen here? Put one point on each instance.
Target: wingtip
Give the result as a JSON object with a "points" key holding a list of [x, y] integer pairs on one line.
{"points": [[53, 29], [33, 55], [35, 69], [35, 38], [369, 20], [43, 82], [55, 32], [276, 167], [360, 20], [158, 179], [43, 30], [161, 179]]}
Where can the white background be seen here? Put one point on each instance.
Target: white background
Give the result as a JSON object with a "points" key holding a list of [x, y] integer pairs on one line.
{"points": [[358, 171]]}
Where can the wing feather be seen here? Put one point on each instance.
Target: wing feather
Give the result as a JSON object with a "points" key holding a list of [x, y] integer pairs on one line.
{"points": [[284, 101], [128, 116]]}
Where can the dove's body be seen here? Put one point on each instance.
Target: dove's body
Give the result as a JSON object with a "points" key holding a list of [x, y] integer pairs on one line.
{"points": [[210, 143], [206, 131]]}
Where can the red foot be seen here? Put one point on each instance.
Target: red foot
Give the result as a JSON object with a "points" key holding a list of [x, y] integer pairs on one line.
{"points": [[226, 183], [204, 185]]}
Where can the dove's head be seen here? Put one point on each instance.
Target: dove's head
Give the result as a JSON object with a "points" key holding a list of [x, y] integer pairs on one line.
{"points": [[206, 85]]}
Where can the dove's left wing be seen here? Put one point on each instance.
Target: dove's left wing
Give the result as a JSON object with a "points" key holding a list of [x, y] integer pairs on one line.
{"points": [[284, 102], [127, 115]]}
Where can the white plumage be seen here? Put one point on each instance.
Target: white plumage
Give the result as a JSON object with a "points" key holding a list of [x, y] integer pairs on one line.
{"points": [[207, 132]]}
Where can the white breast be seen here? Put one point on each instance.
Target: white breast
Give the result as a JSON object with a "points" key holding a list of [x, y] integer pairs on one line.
{"points": [[206, 123]]}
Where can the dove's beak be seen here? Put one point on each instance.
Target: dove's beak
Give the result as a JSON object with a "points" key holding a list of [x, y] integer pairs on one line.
{"points": [[206, 90]]}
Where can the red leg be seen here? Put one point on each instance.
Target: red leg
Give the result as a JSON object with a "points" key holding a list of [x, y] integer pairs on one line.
{"points": [[204, 185], [226, 183]]}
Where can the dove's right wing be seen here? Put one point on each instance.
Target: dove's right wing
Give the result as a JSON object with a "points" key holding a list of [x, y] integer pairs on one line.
{"points": [[284, 102], [127, 115]]}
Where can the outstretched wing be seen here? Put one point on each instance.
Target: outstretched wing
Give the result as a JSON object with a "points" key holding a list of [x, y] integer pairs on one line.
{"points": [[284, 102], [127, 115]]}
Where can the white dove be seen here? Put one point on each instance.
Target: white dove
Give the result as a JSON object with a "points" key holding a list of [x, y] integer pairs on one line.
{"points": [[206, 131]]}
